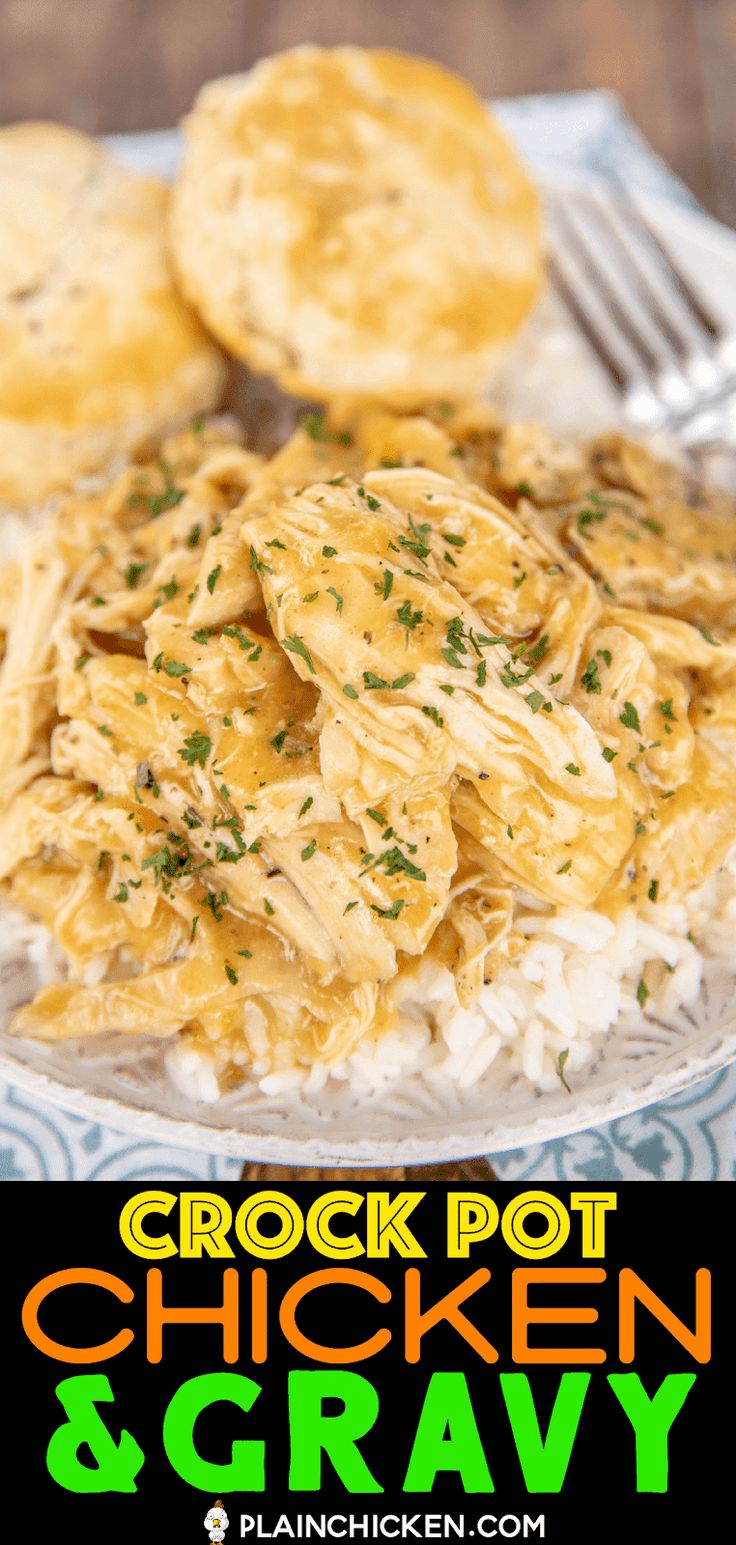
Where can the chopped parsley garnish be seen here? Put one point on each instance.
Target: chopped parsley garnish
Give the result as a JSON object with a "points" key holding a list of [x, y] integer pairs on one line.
{"points": [[268, 909], [314, 425], [535, 700], [122, 894], [434, 716], [176, 668], [392, 911], [417, 543], [384, 590], [196, 748], [653, 891], [139, 699], [277, 741], [231, 975], [338, 598], [407, 617], [81, 661], [572, 769], [565, 868], [307, 599], [133, 574], [215, 904], [402, 681], [349, 691], [193, 536], [377, 815], [608, 754], [276, 543], [296, 645], [455, 541], [666, 711], [213, 577], [481, 673], [561, 1060], [329, 552], [374, 683], [373, 504], [309, 850], [630, 718], [538, 650], [642, 993], [519, 580], [255, 563], [350, 906], [590, 678], [306, 806]]}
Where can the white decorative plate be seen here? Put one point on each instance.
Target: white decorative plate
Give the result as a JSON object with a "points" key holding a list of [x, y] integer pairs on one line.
{"points": [[551, 378]]}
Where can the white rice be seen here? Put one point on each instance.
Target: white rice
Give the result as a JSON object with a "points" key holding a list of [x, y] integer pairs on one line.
{"points": [[575, 974], [571, 976]]}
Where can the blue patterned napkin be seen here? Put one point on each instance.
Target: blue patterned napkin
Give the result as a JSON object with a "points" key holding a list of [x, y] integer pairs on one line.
{"points": [[690, 1137]]}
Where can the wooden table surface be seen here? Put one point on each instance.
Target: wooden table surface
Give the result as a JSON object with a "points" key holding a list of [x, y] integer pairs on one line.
{"points": [[136, 64]]}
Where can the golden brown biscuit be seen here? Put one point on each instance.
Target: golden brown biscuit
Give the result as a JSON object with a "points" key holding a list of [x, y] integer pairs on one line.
{"points": [[354, 222], [96, 347]]}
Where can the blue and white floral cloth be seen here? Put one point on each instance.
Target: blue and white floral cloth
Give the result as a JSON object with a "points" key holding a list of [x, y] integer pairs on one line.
{"points": [[690, 1137]]}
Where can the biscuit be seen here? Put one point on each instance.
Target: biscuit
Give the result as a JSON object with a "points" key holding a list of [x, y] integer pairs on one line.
{"points": [[354, 222], [97, 350]]}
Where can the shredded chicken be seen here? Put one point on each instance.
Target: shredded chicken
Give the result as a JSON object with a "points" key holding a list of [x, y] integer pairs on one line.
{"points": [[272, 730]]}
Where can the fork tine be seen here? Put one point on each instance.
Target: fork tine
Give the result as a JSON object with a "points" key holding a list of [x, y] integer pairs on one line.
{"points": [[630, 260], [596, 273], [695, 304], [594, 336]]}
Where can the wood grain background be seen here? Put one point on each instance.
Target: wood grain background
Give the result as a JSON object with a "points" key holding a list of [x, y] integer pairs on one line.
{"points": [[136, 64]]}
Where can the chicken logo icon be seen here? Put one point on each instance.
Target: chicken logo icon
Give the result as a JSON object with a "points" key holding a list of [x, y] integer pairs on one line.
{"points": [[216, 1522]]}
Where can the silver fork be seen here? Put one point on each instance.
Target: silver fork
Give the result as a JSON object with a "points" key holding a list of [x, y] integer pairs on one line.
{"points": [[667, 353]]}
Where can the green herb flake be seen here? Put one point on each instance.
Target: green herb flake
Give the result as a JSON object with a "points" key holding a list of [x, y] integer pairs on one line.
{"points": [[296, 645], [133, 573], [630, 718], [309, 850], [408, 617], [196, 749], [572, 769], [642, 993], [590, 678], [561, 1061], [608, 754], [390, 912], [349, 691]]}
